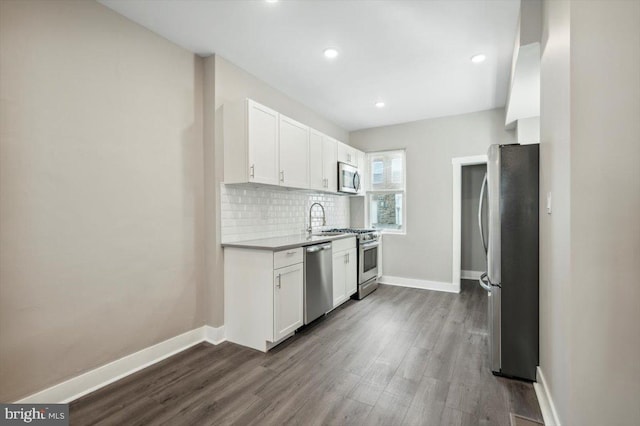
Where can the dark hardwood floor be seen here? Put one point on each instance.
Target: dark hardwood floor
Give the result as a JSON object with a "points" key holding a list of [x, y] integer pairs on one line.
{"points": [[399, 357]]}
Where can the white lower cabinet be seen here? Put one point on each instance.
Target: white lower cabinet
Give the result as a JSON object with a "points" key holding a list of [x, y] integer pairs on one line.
{"points": [[351, 279], [345, 272], [263, 296], [339, 277], [287, 300]]}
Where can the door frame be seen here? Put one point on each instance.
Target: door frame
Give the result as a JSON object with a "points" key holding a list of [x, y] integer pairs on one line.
{"points": [[456, 261]]}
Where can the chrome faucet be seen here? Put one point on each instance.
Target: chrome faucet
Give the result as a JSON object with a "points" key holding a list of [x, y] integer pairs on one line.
{"points": [[324, 217]]}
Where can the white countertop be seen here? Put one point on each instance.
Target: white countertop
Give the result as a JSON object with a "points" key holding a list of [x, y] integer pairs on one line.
{"points": [[286, 242]]}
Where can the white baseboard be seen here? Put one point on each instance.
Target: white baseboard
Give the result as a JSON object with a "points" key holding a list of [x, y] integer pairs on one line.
{"points": [[213, 335], [95, 379], [470, 275], [422, 284], [547, 407]]}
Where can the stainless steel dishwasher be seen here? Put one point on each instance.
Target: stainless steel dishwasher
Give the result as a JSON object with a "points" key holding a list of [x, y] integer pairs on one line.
{"points": [[318, 281]]}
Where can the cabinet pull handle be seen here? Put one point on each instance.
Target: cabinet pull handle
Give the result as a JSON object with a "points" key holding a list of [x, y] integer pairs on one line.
{"points": [[279, 285], [282, 176], [252, 170], [291, 253]]}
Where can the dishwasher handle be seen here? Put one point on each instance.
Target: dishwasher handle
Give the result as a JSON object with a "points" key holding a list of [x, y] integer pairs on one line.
{"points": [[318, 247]]}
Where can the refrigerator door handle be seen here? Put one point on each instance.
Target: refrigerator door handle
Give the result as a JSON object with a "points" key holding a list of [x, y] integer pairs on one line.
{"points": [[482, 190], [493, 190], [484, 284]]}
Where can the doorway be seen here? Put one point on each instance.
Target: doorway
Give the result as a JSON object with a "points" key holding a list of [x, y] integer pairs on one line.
{"points": [[472, 255], [473, 258]]}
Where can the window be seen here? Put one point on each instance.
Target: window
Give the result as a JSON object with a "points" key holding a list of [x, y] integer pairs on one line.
{"points": [[386, 191], [377, 175]]}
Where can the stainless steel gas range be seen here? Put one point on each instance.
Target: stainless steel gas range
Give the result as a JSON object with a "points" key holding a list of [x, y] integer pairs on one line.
{"points": [[368, 243]]}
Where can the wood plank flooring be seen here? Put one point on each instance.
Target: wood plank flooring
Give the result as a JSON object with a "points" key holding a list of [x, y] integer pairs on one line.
{"points": [[399, 357]]}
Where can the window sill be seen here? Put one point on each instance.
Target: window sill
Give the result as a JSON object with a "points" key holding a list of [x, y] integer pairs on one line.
{"points": [[388, 232]]}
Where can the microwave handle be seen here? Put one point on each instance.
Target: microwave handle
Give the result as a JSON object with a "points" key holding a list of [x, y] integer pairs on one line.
{"points": [[356, 181]]}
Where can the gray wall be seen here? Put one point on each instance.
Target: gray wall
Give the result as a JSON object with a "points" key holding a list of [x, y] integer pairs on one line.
{"points": [[473, 257], [226, 82], [101, 181], [555, 164], [605, 212], [425, 251], [590, 244]]}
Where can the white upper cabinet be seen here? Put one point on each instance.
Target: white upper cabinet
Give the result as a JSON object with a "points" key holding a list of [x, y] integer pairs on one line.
{"points": [[323, 162], [330, 163], [251, 143], [347, 154], [316, 160], [350, 155], [263, 144], [294, 153]]}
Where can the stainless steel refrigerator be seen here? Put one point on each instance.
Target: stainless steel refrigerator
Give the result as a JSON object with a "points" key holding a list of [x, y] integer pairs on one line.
{"points": [[511, 242]]}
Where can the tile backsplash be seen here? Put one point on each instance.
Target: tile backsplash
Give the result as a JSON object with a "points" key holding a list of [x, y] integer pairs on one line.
{"points": [[251, 212]]}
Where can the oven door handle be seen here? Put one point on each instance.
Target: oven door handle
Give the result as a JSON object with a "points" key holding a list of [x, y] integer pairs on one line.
{"points": [[369, 245]]}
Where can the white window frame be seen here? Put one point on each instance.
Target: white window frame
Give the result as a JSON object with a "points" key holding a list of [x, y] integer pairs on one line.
{"points": [[369, 192]]}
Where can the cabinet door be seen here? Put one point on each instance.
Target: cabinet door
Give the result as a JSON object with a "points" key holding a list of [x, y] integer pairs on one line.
{"points": [[262, 138], [339, 277], [287, 300], [316, 163], [330, 163], [351, 274], [347, 154], [294, 153]]}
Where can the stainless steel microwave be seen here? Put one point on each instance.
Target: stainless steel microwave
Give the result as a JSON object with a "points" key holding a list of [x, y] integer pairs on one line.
{"points": [[348, 178]]}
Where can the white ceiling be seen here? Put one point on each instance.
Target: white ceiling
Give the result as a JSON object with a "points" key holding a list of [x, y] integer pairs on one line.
{"points": [[414, 55]]}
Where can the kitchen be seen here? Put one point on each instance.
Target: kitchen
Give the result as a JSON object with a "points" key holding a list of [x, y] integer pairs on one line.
{"points": [[130, 193]]}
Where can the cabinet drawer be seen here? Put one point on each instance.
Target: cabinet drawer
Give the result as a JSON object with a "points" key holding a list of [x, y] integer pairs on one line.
{"points": [[343, 244], [287, 257]]}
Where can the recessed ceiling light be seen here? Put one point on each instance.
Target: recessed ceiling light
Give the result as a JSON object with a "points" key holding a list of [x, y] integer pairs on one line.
{"points": [[476, 59], [380, 104], [330, 53], [271, 1]]}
